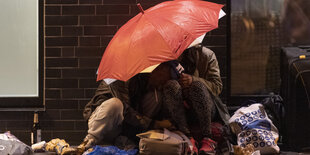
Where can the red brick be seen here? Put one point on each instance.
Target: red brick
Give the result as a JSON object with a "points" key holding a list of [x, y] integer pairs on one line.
{"points": [[152, 2], [99, 30], [52, 1], [78, 73], [83, 102], [105, 40], [11, 115], [3, 126], [68, 52], [89, 52], [50, 114], [61, 1], [88, 83], [93, 20], [13, 125], [22, 132], [61, 62], [61, 104], [112, 9], [53, 52], [50, 93], [62, 41], [71, 114], [72, 31], [89, 41], [118, 19], [61, 20], [89, 62], [89, 92], [78, 10], [73, 93], [61, 83], [52, 31], [90, 1], [57, 125], [119, 1], [52, 10], [52, 73], [81, 125], [46, 134]]}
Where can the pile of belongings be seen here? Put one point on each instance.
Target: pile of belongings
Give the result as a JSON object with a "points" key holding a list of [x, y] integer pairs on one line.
{"points": [[9, 144]]}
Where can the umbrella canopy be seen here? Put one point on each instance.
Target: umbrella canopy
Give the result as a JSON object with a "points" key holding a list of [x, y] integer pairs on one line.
{"points": [[156, 35]]}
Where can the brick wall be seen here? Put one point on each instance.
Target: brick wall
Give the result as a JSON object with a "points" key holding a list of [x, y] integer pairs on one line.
{"points": [[76, 34]]}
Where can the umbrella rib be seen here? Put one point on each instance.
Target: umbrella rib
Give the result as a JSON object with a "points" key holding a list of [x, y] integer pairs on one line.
{"points": [[177, 25], [181, 27], [169, 22], [130, 43], [158, 32], [164, 38]]}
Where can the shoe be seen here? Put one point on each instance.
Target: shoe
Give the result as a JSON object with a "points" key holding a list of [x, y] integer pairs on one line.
{"points": [[207, 147], [195, 149]]}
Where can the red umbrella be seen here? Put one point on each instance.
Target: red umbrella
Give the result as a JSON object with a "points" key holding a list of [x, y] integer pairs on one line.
{"points": [[156, 35]]}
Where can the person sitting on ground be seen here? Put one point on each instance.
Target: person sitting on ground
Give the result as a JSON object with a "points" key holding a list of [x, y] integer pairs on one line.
{"points": [[126, 108], [199, 85]]}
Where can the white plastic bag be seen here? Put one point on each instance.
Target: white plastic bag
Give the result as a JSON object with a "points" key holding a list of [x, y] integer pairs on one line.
{"points": [[252, 126], [9, 144]]}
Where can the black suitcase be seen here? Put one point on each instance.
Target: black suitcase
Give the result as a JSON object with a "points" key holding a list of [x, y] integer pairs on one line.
{"points": [[295, 90]]}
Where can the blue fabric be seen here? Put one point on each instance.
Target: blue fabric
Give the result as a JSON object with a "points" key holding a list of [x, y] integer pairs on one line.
{"points": [[111, 150]]}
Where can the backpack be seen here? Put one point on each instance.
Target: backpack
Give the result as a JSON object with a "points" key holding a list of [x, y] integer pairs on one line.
{"points": [[155, 142]]}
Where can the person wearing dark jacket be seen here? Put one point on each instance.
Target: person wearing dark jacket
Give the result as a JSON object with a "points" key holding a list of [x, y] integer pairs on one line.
{"points": [[126, 108]]}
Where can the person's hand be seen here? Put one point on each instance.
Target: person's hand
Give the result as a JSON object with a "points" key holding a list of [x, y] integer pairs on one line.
{"points": [[185, 80], [162, 124]]}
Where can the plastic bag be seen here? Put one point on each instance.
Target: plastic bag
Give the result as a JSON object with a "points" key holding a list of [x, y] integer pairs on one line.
{"points": [[9, 144], [111, 150], [252, 126], [275, 109]]}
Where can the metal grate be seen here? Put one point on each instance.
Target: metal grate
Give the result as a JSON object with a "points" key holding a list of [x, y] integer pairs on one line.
{"points": [[255, 54]]}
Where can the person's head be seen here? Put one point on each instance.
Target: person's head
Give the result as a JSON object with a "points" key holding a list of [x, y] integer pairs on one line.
{"points": [[160, 75]]}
